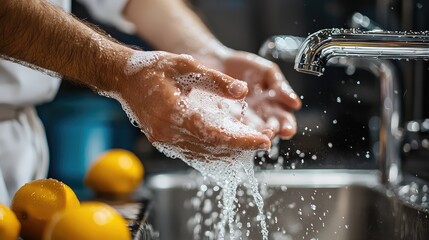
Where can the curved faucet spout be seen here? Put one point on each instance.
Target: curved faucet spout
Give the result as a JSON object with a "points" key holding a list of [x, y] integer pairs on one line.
{"points": [[325, 44]]}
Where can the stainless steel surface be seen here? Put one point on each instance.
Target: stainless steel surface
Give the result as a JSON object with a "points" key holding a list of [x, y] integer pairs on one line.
{"points": [[388, 155], [302, 204], [325, 44]]}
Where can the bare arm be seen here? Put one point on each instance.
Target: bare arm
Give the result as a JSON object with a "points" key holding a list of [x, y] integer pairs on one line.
{"points": [[172, 26], [55, 40], [152, 87]]}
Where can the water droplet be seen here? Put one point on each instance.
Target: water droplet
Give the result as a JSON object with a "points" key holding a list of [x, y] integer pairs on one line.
{"points": [[134, 123], [338, 100]]}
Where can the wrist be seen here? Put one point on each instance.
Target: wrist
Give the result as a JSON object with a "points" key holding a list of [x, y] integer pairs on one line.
{"points": [[134, 65], [108, 71], [213, 54]]}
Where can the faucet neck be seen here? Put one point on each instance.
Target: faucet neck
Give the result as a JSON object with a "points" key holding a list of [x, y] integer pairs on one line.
{"points": [[325, 44]]}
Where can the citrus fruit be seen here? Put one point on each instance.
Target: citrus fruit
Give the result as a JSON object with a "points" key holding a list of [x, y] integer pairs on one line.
{"points": [[91, 221], [9, 224], [115, 172], [37, 201]]}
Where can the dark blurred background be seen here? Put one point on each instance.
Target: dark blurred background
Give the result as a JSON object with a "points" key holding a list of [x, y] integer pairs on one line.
{"points": [[338, 123]]}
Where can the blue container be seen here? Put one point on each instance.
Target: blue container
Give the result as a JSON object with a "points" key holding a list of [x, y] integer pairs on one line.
{"points": [[80, 127]]}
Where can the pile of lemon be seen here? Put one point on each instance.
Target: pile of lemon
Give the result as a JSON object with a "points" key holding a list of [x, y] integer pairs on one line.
{"points": [[48, 209]]}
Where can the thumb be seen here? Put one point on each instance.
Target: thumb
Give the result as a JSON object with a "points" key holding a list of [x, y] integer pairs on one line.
{"points": [[215, 82]]}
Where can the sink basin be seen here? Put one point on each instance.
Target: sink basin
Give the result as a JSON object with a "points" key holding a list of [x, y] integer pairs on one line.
{"points": [[299, 204]]}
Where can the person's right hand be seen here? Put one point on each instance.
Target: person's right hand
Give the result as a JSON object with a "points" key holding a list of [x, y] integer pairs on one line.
{"points": [[182, 104]]}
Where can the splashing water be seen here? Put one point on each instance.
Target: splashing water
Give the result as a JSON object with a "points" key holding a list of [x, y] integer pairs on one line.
{"points": [[226, 172]]}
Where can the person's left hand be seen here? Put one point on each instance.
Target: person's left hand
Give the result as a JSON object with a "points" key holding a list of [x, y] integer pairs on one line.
{"points": [[270, 96]]}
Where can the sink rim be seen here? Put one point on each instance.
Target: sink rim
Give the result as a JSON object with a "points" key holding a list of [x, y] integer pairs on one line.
{"points": [[314, 178]]}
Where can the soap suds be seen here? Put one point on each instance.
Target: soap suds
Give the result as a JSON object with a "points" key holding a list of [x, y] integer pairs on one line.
{"points": [[140, 60], [225, 171]]}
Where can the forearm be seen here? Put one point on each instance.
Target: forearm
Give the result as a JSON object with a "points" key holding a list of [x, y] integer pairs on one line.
{"points": [[172, 26], [38, 33]]}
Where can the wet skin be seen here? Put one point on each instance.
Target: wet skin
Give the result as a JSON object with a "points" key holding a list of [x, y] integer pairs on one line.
{"points": [[163, 114]]}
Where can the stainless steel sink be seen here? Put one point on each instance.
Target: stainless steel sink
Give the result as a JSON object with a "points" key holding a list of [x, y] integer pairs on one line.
{"points": [[300, 204]]}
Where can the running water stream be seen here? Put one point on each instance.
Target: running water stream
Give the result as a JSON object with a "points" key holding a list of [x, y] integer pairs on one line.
{"points": [[226, 172]]}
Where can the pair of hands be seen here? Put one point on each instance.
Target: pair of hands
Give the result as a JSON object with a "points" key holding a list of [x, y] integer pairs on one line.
{"points": [[198, 110]]}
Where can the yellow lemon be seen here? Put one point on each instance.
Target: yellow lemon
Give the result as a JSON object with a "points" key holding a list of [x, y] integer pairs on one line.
{"points": [[36, 202], [115, 172], [9, 224], [91, 221]]}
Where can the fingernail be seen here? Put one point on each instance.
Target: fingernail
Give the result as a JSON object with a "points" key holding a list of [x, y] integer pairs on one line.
{"points": [[268, 132], [288, 90], [288, 126], [287, 131], [237, 88], [293, 95], [265, 146]]}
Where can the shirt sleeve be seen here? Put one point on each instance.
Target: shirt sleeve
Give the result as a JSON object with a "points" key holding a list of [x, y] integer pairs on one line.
{"points": [[109, 12]]}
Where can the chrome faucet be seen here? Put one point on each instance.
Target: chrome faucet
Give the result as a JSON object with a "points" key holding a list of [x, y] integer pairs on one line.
{"points": [[320, 49], [323, 45], [317, 50]]}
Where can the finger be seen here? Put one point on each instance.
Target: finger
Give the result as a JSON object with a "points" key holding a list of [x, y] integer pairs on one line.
{"points": [[278, 82], [223, 85], [228, 132], [252, 120], [288, 125], [193, 74], [196, 151], [248, 117], [281, 121], [189, 147], [273, 124]]}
